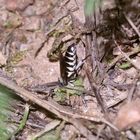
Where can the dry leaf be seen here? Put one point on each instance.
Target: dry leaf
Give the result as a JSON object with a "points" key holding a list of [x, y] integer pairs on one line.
{"points": [[128, 115], [2, 59]]}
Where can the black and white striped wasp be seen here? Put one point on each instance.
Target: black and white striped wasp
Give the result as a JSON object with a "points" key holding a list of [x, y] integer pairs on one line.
{"points": [[70, 66], [69, 69]]}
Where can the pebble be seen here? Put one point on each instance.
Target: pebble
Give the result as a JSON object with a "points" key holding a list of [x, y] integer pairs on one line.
{"points": [[17, 5], [32, 23]]}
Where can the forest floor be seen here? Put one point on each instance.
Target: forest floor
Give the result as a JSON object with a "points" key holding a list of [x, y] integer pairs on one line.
{"points": [[106, 104]]}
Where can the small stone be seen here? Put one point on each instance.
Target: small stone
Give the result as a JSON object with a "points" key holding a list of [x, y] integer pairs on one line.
{"points": [[2, 59], [24, 47], [32, 23], [29, 11], [131, 73], [18, 5]]}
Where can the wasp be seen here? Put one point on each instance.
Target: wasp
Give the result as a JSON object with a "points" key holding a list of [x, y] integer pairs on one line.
{"points": [[70, 66], [69, 70]]}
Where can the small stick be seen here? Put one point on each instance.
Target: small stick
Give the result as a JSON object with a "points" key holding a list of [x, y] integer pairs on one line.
{"points": [[48, 127], [132, 25], [132, 90], [135, 51], [55, 108], [127, 57], [52, 106]]}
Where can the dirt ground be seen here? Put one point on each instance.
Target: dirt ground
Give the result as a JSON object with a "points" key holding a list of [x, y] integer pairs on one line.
{"points": [[107, 105]]}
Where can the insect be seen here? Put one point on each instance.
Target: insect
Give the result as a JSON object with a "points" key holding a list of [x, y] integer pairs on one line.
{"points": [[69, 69], [69, 65]]}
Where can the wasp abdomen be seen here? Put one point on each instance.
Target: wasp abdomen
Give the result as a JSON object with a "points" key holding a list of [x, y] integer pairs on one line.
{"points": [[70, 64]]}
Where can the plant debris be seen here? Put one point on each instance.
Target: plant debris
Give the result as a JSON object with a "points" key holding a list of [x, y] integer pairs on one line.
{"points": [[103, 102]]}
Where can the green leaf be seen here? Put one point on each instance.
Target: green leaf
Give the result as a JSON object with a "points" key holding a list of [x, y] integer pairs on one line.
{"points": [[125, 65], [49, 136], [63, 93], [6, 101], [90, 6]]}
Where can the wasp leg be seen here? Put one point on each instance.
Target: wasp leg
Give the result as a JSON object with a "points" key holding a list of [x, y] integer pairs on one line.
{"points": [[81, 63]]}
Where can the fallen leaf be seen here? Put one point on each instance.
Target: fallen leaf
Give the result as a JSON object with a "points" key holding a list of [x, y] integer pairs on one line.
{"points": [[128, 115], [2, 59]]}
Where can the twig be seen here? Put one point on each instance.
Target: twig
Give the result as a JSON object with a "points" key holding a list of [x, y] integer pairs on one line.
{"points": [[127, 57], [65, 3], [132, 24], [138, 68], [48, 33], [116, 100], [99, 131], [95, 88], [23, 121], [91, 63], [134, 51], [59, 129], [95, 91], [25, 117], [48, 127], [54, 108], [130, 95]]}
